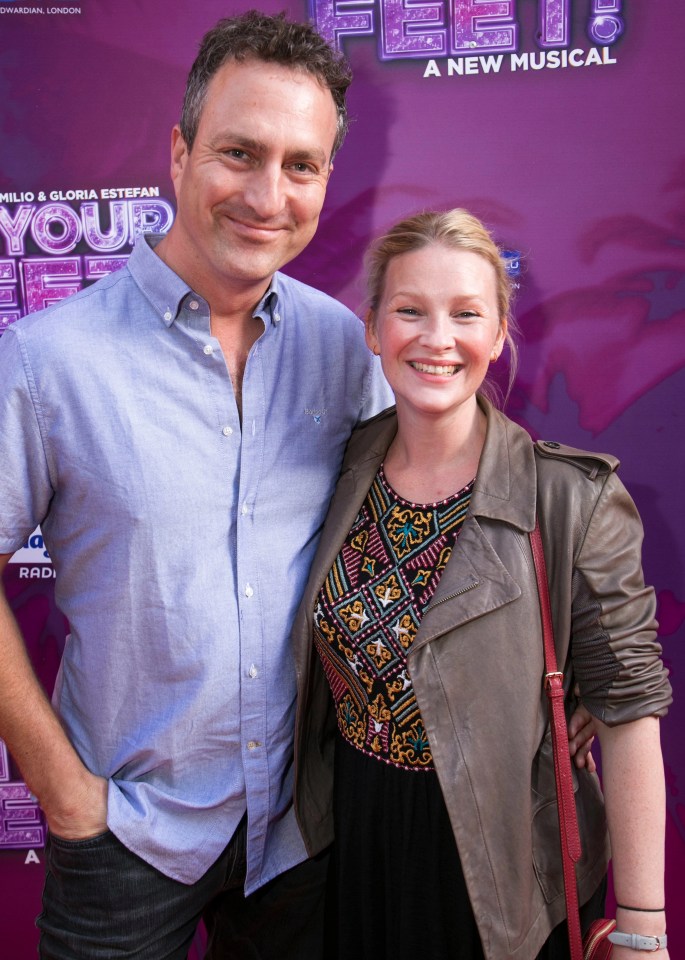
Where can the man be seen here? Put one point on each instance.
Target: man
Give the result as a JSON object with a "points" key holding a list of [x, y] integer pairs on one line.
{"points": [[177, 429]]}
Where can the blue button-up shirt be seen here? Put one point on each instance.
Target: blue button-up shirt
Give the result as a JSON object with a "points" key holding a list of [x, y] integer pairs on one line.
{"points": [[181, 541]]}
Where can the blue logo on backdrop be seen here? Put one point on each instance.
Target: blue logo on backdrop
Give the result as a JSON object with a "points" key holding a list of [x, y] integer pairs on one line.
{"points": [[512, 261]]}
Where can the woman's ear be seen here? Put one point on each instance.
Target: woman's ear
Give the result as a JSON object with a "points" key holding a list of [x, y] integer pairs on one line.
{"points": [[501, 338]]}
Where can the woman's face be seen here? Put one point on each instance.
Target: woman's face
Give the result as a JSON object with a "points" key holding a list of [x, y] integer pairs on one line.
{"points": [[437, 328]]}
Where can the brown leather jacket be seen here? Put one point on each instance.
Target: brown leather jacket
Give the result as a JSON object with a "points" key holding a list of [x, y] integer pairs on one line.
{"points": [[477, 666]]}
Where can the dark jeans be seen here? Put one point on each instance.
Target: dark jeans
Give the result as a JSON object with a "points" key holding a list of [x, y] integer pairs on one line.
{"points": [[102, 902]]}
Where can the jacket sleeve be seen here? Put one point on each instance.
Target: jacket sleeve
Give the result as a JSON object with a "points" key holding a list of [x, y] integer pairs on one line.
{"points": [[615, 653]]}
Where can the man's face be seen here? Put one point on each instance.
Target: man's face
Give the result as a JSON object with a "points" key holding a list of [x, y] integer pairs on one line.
{"points": [[250, 191]]}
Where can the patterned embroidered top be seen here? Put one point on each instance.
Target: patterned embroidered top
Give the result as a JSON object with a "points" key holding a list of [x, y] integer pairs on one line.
{"points": [[368, 614]]}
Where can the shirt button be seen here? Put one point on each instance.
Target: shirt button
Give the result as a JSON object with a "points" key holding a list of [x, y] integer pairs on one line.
{"points": [[253, 672], [227, 431], [167, 315], [193, 304], [244, 509], [253, 744], [248, 591], [208, 349], [552, 444], [277, 317]]}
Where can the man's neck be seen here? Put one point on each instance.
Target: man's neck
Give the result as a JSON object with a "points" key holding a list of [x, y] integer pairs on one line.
{"points": [[230, 303]]}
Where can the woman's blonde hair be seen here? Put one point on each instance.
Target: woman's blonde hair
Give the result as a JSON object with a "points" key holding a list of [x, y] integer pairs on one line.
{"points": [[456, 229]]}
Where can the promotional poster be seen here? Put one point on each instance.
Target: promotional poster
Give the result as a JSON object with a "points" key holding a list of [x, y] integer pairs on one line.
{"points": [[557, 122]]}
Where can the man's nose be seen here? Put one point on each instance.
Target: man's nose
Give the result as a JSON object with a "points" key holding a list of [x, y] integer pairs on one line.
{"points": [[265, 191]]}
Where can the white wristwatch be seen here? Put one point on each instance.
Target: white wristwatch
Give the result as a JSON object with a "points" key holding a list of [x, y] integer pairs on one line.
{"points": [[637, 942]]}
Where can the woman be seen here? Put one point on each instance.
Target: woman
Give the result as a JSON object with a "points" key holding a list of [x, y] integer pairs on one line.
{"points": [[426, 622]]}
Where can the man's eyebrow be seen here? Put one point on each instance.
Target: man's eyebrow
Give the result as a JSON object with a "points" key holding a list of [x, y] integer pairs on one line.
{"points": [[250, 144], [238, 140], [316, 154]]}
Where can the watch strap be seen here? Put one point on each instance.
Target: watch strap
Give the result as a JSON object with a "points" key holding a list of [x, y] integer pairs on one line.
{"points": [[637, 942]]}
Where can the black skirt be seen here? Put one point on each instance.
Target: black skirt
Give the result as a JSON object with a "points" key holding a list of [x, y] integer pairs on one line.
{"points": [[397, 890]]}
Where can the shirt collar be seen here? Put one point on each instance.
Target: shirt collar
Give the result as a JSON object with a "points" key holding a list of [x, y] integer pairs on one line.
{"points": [[163, 288], [269, 308], [166, 290]]}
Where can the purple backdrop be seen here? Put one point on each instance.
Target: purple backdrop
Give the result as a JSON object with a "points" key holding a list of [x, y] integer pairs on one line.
{"points": [[557, 121]]}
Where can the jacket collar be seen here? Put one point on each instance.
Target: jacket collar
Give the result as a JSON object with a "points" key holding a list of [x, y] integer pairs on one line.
{"points": [[505, 487]]}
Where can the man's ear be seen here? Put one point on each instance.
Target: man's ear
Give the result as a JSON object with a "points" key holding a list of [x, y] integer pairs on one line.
{"points": [[372, 341], [179, 156]]}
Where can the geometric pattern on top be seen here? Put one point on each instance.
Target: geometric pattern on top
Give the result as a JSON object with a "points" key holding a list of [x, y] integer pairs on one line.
{"points": [[368, 613]]}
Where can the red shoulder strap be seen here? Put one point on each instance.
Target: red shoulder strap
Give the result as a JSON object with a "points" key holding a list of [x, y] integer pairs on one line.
{"points": [[554, 686]]}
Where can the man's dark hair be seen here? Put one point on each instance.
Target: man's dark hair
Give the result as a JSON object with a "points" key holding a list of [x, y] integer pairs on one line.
{"points": [[255, 35]]}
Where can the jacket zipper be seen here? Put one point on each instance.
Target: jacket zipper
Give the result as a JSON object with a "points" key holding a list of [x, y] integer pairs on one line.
{"points": [[451, 596]]}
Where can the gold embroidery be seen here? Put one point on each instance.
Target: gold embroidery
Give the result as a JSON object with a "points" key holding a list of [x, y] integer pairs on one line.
{"points": [[354, 616], [388, 591], [378, 652], [407, 528], [412, 748], [445, 554], [405, 630], [359, 541]]}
